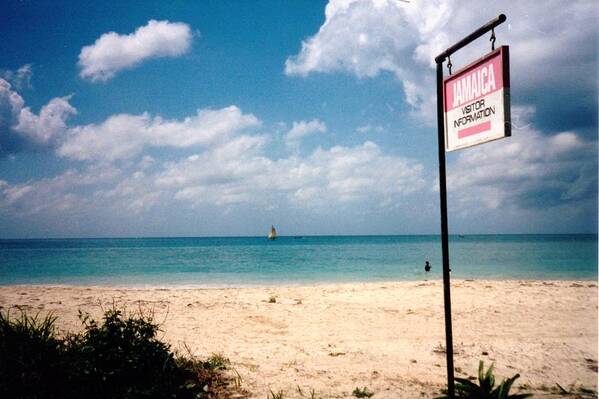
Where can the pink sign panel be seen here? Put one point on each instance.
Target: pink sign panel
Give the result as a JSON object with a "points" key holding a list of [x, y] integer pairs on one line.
{"points": [[476, 102]]}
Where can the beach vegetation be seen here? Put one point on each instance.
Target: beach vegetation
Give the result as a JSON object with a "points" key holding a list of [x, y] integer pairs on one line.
{"points": [[119, 356], [573, 391], [217, 361], [31, 358], [362, 392], [312, 393], [276, 395], [486, 389]]}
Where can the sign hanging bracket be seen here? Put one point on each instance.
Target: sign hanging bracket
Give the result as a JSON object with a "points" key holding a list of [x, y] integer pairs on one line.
{"points": [[492, 39], [449, 64]]}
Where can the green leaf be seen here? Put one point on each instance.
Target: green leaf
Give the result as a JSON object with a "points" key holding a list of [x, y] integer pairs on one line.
{"points": [[481, 366], [466, 383], [466, 389], [506, 385]]}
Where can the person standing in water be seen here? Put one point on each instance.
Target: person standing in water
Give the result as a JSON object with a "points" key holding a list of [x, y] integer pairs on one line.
{"points": [[427, 266]]}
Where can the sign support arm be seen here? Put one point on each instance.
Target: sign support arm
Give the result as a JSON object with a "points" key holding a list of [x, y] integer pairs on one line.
{"points": [[470, 38]]}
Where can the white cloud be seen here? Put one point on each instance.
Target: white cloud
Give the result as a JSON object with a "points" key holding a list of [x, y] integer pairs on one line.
{"points": [[49, 124], [59, 194], [134, 193], [355, 174], [231, 169], [234, 171], [21, 78], [526, 171], [124, 136], [238, 158], [112, 52], [146, 162], [366, 38], [369, 37], [11, 100], [301, 129], [239, 172], [45, 128], [370, 128]]}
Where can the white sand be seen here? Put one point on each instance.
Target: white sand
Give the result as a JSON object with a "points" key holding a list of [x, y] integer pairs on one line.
{"points": [[385, 336]]}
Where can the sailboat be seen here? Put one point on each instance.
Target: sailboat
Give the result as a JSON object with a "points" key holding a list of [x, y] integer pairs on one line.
{"points": [[273, 233]]}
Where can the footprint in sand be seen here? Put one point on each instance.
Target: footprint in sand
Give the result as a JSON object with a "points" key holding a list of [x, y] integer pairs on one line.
{"points": [[269, 322]]}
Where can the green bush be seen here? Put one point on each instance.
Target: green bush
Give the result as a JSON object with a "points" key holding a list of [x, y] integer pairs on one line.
{"points": [[466, 389], [217, 361], [275, 395], [122, 358], [31, 358], [362, 393], [118, 358]]}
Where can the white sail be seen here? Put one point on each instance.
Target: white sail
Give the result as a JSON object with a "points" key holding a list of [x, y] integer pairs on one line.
{"points": [[273, 233]]}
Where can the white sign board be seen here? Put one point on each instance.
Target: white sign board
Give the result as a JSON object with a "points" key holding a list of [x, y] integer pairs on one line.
{"points": [[477, 102]]}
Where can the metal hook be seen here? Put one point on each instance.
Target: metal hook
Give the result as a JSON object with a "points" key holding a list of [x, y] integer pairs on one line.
{"points": [[492, 39], [449, 64]]}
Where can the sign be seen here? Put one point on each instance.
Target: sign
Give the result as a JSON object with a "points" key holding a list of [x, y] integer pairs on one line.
{"points": [[477, 102]]}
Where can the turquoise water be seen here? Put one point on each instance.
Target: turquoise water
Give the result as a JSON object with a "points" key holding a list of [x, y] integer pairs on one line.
{"points": [[292, 260]]}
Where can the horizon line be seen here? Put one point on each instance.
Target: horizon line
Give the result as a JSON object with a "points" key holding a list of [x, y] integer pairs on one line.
{"points": [[289, 236]]}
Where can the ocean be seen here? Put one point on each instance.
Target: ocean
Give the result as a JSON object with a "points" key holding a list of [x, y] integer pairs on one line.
{"points": [[256, 261]]}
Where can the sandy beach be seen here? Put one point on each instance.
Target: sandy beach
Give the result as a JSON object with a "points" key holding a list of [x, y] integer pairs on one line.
{"points": [[386, 336]]}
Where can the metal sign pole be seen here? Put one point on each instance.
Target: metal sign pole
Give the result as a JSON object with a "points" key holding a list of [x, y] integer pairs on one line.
{"points": [[444, 234], [443, 191]]}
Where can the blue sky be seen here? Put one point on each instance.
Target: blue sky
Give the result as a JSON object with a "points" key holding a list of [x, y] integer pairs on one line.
{"points": [[222, 118]]}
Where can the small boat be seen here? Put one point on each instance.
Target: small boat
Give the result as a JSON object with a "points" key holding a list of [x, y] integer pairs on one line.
{"points": [[273, 233]]}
